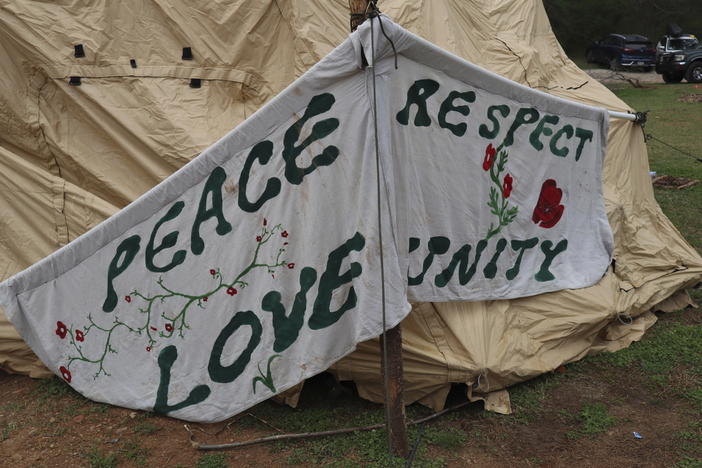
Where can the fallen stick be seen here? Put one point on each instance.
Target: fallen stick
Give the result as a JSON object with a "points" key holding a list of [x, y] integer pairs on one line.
{"points": [[304, 435], [689, 184]]}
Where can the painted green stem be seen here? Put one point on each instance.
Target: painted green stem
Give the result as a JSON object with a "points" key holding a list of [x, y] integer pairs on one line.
{"points": [[177, 322]]}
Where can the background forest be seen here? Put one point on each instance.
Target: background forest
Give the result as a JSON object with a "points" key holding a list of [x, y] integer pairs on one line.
{"points": [[578, 23]]}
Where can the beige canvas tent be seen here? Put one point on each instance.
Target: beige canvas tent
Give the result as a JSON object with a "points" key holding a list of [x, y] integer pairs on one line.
{"points": [[72, 155]]}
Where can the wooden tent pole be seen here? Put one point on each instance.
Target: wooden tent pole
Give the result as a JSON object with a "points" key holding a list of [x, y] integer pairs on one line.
{"points": [[392, 340]]}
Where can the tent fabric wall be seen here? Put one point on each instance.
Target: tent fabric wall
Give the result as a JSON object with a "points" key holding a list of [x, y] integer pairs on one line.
{"points": [[70, 156]]}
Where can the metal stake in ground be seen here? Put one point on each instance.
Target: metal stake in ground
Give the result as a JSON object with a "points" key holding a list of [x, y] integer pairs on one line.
{"points": [[391, 341]]}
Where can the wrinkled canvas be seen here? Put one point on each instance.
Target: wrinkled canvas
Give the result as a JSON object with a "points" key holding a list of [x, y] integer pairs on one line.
{"points": [[257, 265]]}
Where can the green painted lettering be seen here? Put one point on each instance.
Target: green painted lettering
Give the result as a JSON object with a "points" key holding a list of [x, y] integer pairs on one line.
{"points": [[460, 259], [562, 152], [262, 152], [542, 129], [448, 106], [214, 186], [525, 115], [520, 246], [418, 94], [165, 362], [437, 245], [126, 251], [544, 274], [168, 241], [490, 269], [582, 135], [318, 105], [486, 132], [287, 328], [332, 279], [226, 374]]}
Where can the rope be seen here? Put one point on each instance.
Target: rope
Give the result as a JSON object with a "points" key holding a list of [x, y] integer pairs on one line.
{"points": [[376, 14], [650, 136], [413, 453]]}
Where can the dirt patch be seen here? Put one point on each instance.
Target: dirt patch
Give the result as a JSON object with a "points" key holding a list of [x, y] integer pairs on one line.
{"points": [[671, 182], [636, 79], [38, 429], [549, 439]]}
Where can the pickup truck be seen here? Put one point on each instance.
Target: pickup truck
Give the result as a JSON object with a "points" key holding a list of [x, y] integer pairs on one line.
{"points": [[679, 56]]}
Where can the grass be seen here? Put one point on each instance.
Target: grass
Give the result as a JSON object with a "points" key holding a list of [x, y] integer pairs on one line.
{"points": [[678, 124], [51, 388], [97, 459], [135, 453], [527, 398], [212, 460], [146, 427], [6, 429], [669, 350], [594, 419], [448, 439]]}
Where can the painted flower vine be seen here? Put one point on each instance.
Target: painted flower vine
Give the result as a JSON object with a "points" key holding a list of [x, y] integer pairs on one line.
{"points": [[167, 322], [495, 161]]}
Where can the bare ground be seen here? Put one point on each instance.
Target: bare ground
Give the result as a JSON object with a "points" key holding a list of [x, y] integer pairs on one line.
{"points": [[607, 76]]}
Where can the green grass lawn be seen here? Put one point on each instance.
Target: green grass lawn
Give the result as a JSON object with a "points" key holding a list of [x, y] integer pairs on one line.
{"points": [[679, 124]]}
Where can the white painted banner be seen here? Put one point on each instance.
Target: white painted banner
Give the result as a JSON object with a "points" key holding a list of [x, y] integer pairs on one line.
{"points": [[257, 265]]}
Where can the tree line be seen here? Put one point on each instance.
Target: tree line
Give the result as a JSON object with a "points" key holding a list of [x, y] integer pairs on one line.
{"points": [[578, 23]]}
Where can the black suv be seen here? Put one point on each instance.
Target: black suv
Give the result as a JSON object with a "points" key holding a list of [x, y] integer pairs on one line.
{"points": [[622, 51], [679, 56]]}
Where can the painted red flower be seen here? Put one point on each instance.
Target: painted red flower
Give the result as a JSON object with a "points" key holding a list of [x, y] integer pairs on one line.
{"points": [[265, 221], [291, 265], [284, 233], [548, 210], [490, 153], [153, 328], [169, 327], [79, 336], [258, 238], [507, 186], [231, 291], [204, 298], [128, 298], [148, 349], [212, 271], [66, 374], [61, 329], [285, 243]]}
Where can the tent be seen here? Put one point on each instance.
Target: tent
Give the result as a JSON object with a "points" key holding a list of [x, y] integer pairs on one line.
{"points": [[159, 82]]}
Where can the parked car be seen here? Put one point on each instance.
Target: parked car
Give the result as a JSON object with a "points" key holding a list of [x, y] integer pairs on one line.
{"points": [[679, 56], [620, 51]]}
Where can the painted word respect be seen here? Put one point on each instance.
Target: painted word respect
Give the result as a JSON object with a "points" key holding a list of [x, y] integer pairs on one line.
{"points": [[558, 138]]}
